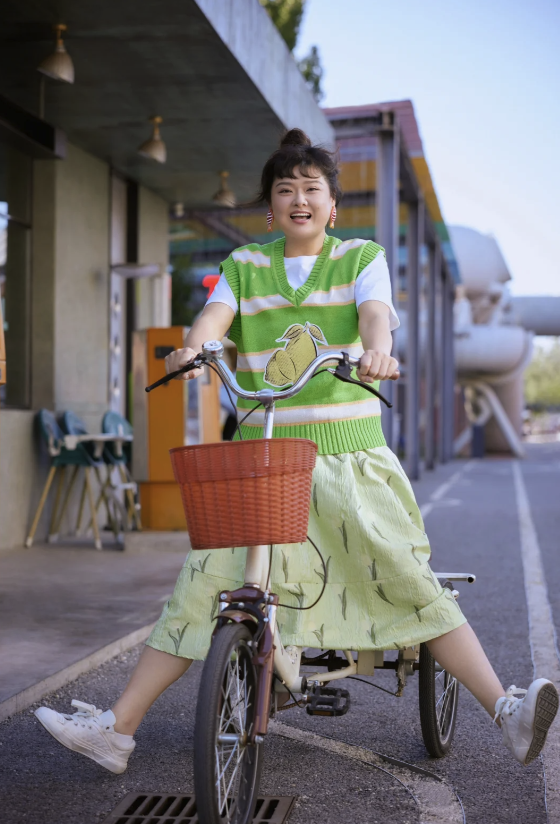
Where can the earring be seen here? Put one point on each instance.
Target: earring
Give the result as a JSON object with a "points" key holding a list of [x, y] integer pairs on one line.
{"points": [[333, 218], [269, 220]]}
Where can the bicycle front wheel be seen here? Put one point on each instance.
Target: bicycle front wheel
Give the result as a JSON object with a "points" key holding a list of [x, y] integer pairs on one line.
{"points": [[439, 696], [226, 766]]}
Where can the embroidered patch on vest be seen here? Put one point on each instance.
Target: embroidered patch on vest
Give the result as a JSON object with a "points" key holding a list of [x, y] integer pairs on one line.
{"points": [[286, 365]]}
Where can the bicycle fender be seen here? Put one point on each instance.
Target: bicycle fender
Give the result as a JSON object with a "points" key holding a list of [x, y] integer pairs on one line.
{"points": [[236, 616]]}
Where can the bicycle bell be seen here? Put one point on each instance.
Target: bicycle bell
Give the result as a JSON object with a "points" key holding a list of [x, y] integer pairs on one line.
{"points": [[213, 349]]}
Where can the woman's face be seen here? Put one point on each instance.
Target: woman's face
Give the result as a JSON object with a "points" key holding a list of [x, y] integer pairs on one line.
{"points": [[301, 205]]}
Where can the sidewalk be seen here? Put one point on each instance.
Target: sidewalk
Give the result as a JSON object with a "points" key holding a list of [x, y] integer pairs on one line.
{"points": [[66, 609], [74, 607]]}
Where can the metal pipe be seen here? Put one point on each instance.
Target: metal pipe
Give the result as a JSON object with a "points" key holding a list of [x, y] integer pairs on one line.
{"points": [[456, 576], [287, 666], [387, 228], [414, 237], [268, 420], [439, 361], [430, 432], [451, 371], [448, 370], [256, 568]]}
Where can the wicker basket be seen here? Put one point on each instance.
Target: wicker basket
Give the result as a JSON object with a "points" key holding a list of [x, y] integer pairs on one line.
{"points": [[246, 493]]}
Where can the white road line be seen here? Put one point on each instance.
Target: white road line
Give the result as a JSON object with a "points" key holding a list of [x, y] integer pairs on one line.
{"points": [[437, 801], [442, 490], [542, 635]]}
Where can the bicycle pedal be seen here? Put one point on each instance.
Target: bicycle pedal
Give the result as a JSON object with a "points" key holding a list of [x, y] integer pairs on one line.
{"points": [[328, 701]]}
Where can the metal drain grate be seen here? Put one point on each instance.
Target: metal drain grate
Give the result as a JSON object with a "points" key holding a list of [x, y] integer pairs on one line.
{"points": [[164, 808]]}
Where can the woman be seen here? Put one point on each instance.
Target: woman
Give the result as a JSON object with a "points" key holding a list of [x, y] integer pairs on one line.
{"points": [[283, 303]]}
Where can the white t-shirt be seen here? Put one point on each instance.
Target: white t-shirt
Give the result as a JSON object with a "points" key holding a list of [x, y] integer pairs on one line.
{"points": [[373, 283]]}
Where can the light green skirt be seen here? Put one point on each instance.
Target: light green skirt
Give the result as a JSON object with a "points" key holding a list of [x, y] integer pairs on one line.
{"points": [[380, 592]]}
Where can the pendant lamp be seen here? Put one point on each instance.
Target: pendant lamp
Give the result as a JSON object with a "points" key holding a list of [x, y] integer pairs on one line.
{"points": [[58, 65], [154, 148], [224, 196]]}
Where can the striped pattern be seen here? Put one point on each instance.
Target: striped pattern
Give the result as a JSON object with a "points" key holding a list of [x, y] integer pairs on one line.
{"points": [[252, 306], [346, 246], [318, 413], [248, 255], [279, 331], [335, 296]]}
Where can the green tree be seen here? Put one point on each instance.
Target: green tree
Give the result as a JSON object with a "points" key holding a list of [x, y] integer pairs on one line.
{"points": [[542, 377], [312, 71], [287, 16]]}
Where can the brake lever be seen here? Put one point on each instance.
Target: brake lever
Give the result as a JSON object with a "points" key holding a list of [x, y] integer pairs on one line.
{"points": [[200, 360], [343, 373]]}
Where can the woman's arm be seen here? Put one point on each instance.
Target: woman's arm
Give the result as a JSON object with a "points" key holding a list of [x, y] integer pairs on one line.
{"points": [[376, 363], [212, 324]]}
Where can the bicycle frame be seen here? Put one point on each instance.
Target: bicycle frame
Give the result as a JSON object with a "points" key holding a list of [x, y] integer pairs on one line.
{"points": [[271, 653], [254, 604]]}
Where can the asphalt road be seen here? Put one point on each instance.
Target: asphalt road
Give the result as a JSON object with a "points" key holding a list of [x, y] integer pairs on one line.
{"points": [[473, 526]]}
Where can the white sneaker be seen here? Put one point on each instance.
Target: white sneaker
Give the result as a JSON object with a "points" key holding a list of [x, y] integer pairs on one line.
{"points": [[526, 721], [91, 733]]}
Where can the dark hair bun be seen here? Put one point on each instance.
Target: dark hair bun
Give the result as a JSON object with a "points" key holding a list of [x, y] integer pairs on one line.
{"points": [[295, 137]]}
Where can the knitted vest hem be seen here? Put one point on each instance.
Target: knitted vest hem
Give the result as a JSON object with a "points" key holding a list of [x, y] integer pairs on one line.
{"points": [[333, 438]]}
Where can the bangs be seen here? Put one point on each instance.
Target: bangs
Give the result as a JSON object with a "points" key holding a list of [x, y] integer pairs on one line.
{"points": [[283, 167]]}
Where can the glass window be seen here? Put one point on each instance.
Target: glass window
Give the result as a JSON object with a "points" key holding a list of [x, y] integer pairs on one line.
{"points": [[15, 239]]}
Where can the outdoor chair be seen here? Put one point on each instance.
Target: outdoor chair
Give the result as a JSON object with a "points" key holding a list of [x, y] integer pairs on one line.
{"points": [[72, 425], [117, 455], [66, 453]]}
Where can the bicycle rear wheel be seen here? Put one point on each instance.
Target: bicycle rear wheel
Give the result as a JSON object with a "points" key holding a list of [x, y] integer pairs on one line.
{"points": [[439, 696], [227, 767]]}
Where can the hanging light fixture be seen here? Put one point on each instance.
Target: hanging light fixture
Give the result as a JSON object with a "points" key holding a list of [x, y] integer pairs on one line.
{"points": [[154, 148], [58, 65], [224, 196]]}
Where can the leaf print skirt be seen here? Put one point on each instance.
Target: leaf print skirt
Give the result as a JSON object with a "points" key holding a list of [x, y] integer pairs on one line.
{"points": [[380, 591]]}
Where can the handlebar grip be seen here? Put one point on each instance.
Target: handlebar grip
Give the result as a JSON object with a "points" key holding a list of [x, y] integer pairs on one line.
{"points": [[188, 367]]}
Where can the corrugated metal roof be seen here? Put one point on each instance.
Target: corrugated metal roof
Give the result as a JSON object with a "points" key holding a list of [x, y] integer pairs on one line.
{"points": [[357, 153], [404, 109]]}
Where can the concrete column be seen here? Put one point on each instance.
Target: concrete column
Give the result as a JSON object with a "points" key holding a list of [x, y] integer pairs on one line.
{"points": [[43, 256], [387, 231], [414, 235], [153, 294], [434, 266]]}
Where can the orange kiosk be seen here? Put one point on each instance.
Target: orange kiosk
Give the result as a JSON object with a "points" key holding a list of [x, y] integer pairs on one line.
{"points": [[177, 413]]}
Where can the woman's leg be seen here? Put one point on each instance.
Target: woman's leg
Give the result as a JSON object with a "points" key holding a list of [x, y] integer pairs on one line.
{"points": [[461, 654], [154, 672]]}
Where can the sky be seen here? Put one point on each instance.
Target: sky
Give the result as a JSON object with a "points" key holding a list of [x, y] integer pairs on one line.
{"points": [[484, 78]]}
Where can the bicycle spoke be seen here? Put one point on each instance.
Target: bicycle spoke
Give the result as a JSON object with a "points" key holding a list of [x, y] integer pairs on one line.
{"points": [[232, 720], [445, 701]]}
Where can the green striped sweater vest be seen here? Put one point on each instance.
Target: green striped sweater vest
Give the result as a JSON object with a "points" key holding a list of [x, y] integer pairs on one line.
{"points": [[278, 332]]}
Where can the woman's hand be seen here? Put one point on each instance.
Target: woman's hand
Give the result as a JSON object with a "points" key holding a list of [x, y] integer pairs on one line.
{"points": [[377, 366], [179, 358]]}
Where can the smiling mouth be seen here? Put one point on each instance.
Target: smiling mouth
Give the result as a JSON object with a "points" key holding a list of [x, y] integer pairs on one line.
{"points": [[300, 216]]}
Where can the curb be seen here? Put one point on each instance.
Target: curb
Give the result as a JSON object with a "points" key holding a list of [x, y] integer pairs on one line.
{"points": [[21, 700]]}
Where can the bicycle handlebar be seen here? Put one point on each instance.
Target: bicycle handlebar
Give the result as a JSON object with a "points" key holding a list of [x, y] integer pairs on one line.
{"points": [[212, 352]]}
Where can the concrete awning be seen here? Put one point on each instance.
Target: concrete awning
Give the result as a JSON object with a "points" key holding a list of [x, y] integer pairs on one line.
{"points": [[217, 72]]}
